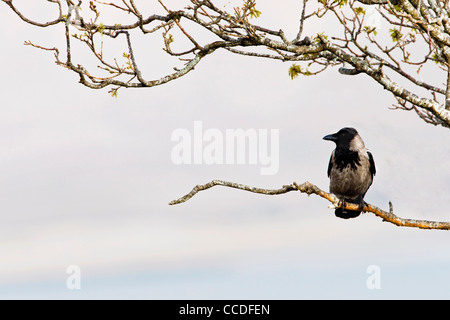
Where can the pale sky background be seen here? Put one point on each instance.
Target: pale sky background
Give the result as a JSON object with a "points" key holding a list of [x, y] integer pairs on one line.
{"points": [[86, 181]]}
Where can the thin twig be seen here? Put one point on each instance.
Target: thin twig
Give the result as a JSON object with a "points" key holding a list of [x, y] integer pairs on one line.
{"points": [[302, 21]]}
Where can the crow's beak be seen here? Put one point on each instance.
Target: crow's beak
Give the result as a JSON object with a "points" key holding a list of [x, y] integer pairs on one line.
{"points": [[331, 137]]}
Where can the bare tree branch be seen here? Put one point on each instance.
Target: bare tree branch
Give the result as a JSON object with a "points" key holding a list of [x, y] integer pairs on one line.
{"points": [[419, 37], [447, 93], [302, 21], [34, 23], [309, 189], [373, 2]]}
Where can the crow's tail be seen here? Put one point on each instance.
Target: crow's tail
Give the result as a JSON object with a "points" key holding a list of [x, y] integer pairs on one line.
{"points": [[346, 214]]}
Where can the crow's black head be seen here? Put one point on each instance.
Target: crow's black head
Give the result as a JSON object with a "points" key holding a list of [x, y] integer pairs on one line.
{"points": [[343, 137]]}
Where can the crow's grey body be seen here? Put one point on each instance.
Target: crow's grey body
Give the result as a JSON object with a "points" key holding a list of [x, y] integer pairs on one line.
{"points": [[351, 170]]}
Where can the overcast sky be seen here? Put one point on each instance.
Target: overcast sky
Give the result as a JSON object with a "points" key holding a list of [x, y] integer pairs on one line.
{"points": [[86, 181]]}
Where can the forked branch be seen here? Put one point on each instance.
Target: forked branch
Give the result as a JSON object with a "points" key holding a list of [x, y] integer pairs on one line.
{"points": [[309, 189]]}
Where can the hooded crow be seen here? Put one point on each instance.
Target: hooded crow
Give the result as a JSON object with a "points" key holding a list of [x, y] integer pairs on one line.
{"points": [[351, 170]]}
